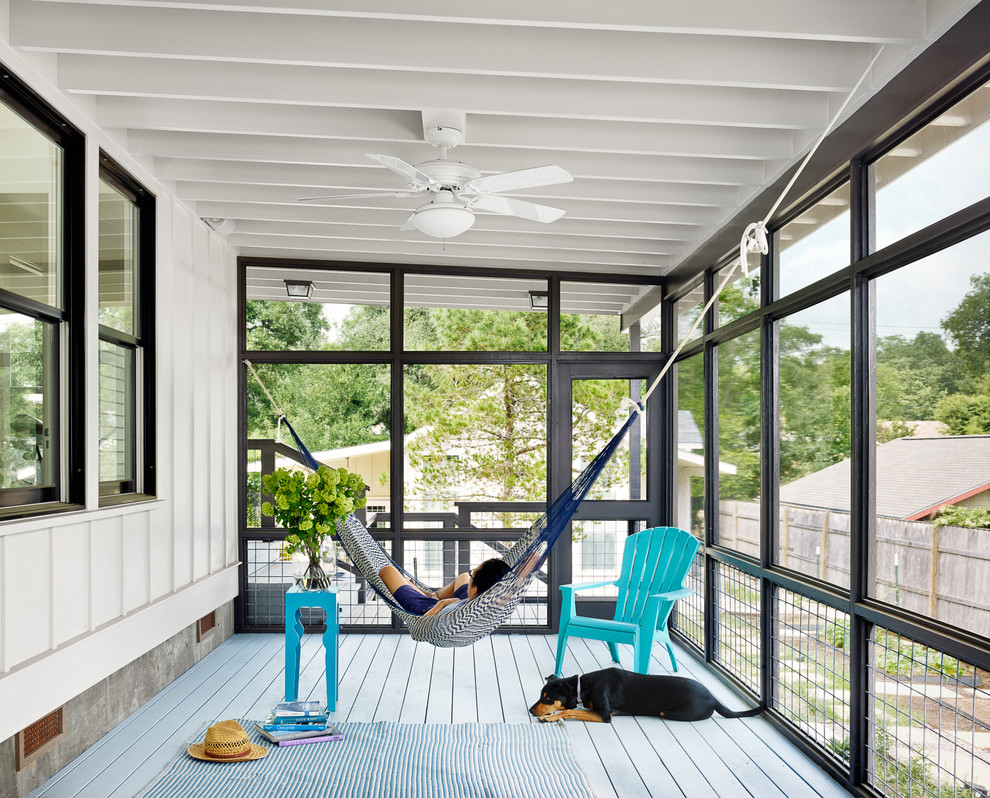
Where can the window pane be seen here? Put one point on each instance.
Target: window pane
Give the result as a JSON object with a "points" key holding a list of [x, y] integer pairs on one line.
{"points": [[345, 310], [688, 308], [609, 317], [932, 546], [30, 212], [814, 441], [739, 443], [691, 446], [740, 295], [474, 314], [941, 169], [118, 260], [27, 402], [475, 433], [342, 414], [116, 413], [816, 243], [596, 415]]}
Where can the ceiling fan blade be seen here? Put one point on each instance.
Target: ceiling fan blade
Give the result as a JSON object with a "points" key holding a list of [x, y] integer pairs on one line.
{"points": [[402, 194], [408, 171], [409, 224], [516, 207], [524, 178]]}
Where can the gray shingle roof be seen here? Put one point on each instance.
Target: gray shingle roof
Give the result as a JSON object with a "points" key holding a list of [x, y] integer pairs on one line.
{"points": [[913, 475]]}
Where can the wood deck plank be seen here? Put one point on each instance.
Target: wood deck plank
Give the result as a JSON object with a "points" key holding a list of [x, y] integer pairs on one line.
{"points": [[391, 678], [365, 703], [441, 701], [397, 683], [488, 698]]}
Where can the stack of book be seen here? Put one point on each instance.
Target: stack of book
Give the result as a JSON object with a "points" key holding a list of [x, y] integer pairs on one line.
{"points": [[298, 722]]}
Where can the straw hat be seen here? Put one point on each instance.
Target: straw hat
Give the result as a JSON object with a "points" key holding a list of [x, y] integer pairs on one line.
{"points": [[227, 741]]}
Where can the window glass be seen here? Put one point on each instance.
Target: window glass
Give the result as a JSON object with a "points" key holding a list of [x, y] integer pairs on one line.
{"points": [[474, 314], [691, 446], [342, 414], [117, 409], [941, 169], [609, 317], [687, 309], [119, 255], [27, 401], [932, 546], [328, 310], [597, 413], [814, 442], [816, 243], [740, 295], [31, 211], [474, 433], [739, 443]]}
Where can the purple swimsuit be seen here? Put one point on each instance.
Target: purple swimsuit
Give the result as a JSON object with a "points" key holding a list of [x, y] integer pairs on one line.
{"points": [[415, 602]]}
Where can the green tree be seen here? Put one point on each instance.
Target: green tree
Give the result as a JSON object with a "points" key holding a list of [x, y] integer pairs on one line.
{"points": [[968, 326]]}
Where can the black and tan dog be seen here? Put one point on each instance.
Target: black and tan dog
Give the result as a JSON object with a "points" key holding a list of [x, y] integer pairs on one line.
{"points": [[613, 690]]}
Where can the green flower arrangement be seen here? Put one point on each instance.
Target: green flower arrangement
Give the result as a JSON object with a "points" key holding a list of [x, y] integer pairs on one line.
{"points": [[309, 506]]}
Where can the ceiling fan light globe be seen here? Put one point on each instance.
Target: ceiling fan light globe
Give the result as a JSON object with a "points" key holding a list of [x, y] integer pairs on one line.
{"points": [[442, 220]]}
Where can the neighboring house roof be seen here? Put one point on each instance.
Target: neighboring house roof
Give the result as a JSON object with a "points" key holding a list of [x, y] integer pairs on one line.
{"points": [[915, 476], [688, 434]]}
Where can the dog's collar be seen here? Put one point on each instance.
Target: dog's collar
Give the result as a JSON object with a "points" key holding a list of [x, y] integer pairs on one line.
{"points": [[580, 702]]}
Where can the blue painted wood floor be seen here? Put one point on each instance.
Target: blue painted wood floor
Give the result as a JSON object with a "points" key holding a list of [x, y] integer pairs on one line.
{"points": [[391, 678]]}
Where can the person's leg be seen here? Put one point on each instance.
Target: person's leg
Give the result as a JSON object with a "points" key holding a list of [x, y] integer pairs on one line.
{"points": [[393, 579], [447, 591]]}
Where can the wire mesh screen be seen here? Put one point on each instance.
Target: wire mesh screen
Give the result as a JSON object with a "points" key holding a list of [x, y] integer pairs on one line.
{"points": [[437, 562], [269, 576], [737, 624], [810, 647], [929, 721], [597, 553], [689, 613]]}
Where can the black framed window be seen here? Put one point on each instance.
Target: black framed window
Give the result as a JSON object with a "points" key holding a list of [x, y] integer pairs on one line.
{"points": [[126, 352], [41, 295]]}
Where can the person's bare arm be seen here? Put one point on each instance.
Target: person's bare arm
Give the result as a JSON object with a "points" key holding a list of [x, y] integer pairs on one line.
{"points": [[440, 605]]}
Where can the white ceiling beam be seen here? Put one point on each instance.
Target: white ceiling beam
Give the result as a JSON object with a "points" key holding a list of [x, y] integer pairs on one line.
{"points": [[455, 246], [475, 237], [418, 47], [271, 149], [768, 108], [839, 20], [473, 94], [698, 216], [480, 260], [309, 180], [489, 222]]}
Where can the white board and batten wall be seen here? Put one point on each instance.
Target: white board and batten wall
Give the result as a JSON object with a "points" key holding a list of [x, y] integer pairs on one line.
{"points": [[84, 593]]}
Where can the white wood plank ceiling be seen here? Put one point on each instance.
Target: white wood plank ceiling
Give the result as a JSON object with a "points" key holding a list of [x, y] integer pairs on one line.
{"points": [[670, 116]]}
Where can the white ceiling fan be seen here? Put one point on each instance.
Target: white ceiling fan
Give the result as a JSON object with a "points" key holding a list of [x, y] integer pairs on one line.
{"points": [[454, 190]]}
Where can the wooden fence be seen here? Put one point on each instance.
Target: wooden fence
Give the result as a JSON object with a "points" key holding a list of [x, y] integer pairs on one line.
{"points": [[939, 572]]}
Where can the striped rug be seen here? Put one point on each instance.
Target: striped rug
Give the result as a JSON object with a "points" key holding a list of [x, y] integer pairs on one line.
{"points": [[392, 759]]}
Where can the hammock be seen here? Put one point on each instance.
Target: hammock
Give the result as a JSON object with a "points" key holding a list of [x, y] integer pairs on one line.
{"points": [[468, 621]]}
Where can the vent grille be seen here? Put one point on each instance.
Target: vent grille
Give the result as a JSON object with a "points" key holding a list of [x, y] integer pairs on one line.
{"points": [[206, 625], [37, 738]]}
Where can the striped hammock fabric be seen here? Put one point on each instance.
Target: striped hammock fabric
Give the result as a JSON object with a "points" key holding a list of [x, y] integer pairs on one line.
{"points": [[469, 621]]}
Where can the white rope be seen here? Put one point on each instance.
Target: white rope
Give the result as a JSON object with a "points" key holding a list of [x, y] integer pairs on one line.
{"points": [[754, 238], [281, 415]]}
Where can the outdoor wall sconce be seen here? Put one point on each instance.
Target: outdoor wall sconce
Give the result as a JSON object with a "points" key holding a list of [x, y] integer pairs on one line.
{"points": [[539, 300], [299, 289]]}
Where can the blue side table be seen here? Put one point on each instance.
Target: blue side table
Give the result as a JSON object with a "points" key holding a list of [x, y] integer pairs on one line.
{"points": [[295, 600]]}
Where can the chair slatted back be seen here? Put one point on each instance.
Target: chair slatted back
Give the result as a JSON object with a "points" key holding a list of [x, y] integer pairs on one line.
{"points": [[653, 561]]}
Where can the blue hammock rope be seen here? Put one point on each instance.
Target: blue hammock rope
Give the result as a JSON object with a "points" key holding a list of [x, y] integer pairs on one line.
{"points": [[468, 621]]}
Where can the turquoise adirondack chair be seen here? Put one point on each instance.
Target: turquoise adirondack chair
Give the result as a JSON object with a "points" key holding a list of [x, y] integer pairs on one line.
{"points": [[654, 564]]}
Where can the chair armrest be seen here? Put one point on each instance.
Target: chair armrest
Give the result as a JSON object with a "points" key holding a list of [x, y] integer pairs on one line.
{"points": [[674, 595], [587, 585]]}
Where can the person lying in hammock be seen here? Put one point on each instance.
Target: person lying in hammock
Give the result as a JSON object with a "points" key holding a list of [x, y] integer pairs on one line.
{"points": [[465, 586]]}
